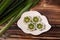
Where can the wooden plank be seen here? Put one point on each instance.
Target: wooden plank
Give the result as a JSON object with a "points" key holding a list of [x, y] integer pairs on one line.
{"points": [[16, 39], [51, 12], [53, 33]]}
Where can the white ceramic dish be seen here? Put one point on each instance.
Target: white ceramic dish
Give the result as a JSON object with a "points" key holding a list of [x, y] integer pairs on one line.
{"points": [[23, 26]]}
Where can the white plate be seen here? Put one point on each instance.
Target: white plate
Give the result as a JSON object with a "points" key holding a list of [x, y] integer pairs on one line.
{"points": [[23, 26]]}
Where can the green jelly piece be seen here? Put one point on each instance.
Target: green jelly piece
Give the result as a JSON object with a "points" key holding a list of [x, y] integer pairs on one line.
{"points": [[26, 19], [39, 26], [35, 19], [31, 26]]}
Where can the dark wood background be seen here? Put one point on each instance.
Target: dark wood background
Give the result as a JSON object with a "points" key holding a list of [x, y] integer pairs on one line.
{"points": [[49, 8]]}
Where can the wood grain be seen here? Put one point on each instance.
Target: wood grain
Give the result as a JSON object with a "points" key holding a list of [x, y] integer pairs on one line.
{"points": [[52, 12]]}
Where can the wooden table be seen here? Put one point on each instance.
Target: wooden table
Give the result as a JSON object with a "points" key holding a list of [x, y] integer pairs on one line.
{"points": [[52, 12]]}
